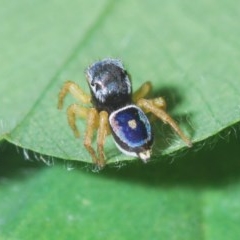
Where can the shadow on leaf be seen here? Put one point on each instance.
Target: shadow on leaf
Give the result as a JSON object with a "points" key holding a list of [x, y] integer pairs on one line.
{"points": [[206, 167], [213, 165]]}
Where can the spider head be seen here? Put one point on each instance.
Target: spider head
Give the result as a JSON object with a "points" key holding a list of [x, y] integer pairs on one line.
{"points": [[109, 84]]}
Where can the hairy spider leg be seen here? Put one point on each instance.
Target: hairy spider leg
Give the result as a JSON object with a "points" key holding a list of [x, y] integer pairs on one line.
{"points": [[143, 90], [73, 111], [92, 117], [75, 90], [92, 123], [95, 121], [159, 102], [103, 131], [153, 107]]}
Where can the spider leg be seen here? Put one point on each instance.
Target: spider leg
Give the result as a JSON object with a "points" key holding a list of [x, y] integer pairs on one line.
{"points": [[74, 111], [92, 123], [142, 91], [75, 90], [102, 133], [159, 102], [151, 106]]}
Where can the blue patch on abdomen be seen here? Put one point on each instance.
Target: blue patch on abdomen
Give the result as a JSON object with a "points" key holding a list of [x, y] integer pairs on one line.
{"points": [[131, 126]]}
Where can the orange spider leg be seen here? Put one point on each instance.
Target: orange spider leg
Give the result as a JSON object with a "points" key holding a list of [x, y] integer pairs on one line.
{"points": [[159, 102], [102, 133], [92, 123], [73, 111], [142, 91], [75, 90], [150, 106]]}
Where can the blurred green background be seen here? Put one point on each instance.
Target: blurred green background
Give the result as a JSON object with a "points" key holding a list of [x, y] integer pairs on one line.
{"points": [[192, 197], [190, 53]]}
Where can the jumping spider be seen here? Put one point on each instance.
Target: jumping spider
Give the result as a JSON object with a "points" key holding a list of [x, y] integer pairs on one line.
{"points": [[115, 110]]}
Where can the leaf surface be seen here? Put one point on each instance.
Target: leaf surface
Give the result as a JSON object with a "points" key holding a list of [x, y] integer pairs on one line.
{"points": [[189, 51]]}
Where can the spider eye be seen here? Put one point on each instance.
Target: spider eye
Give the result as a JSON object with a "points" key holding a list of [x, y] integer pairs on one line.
{"points": [[97, 86]]}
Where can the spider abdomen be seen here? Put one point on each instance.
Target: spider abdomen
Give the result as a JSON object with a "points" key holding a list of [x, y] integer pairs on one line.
{"points": [[132, 131]]}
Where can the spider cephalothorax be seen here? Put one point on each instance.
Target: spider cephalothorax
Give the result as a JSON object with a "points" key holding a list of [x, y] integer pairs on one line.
{"points": [[109, 84]]}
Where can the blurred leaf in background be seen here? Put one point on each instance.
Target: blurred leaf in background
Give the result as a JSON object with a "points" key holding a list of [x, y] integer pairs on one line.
{"points": [[195, 197], [189, 51]]}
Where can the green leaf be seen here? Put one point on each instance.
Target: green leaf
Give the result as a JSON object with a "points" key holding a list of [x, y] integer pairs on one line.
{"points": [[188, 50], [192, 198]]}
